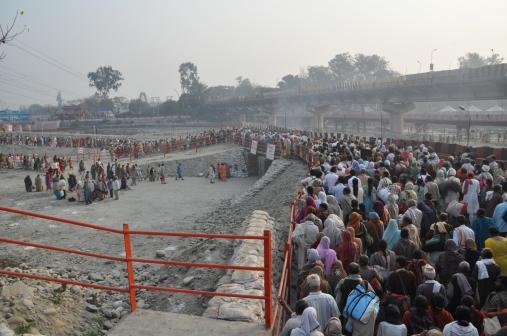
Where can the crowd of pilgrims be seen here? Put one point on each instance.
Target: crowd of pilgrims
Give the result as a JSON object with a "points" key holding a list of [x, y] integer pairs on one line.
{"points": [[117, 146], [396, 241], [87, 185]]}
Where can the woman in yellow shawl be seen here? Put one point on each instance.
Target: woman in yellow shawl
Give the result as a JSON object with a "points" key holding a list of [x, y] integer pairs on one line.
{"points": [[498, 245]]}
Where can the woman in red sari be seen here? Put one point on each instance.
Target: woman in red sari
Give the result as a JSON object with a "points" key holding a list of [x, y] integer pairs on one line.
{"points": [[347, 250]]}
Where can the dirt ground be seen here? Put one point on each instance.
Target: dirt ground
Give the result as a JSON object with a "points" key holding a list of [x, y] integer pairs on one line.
{"points": [[148, 206]]}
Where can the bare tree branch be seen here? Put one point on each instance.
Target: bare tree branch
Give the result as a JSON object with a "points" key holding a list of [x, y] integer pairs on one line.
{"points": [[7, 35]]}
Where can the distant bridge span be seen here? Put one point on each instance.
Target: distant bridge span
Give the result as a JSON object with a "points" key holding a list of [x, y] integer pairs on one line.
{"points": [[395, 95]]}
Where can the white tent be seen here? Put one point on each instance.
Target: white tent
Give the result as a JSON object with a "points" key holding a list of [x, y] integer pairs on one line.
{"points": [[448, 108], [495, 108], [473, 108]]}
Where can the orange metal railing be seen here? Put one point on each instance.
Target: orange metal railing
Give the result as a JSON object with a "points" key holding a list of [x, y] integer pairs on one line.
{"points": [[284, 288], [130, 260]]}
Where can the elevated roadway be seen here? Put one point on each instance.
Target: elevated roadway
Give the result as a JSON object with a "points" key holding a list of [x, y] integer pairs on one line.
{"points": [[396, 96]]}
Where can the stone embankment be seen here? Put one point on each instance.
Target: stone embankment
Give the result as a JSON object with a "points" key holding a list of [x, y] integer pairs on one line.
{"points": [[236, 158], [248, 253]]}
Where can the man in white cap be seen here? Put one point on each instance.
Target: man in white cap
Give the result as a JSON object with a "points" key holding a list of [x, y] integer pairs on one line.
{"points": [[324, 304], [485, 175], [430, 286]]}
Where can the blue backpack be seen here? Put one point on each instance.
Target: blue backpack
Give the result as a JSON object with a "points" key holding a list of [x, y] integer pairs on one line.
{"points": [[360, 304]]}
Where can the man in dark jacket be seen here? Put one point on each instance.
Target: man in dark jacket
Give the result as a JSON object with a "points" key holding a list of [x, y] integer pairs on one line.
{"points": [[448, 262]]}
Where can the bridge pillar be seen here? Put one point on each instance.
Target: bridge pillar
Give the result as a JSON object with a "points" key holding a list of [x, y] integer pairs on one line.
{"points": [[318, 121], [396, 112], [397, 123]]}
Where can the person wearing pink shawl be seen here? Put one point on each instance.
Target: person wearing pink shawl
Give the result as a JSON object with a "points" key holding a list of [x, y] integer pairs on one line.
{"points": [[327, 255], [303, 212]]}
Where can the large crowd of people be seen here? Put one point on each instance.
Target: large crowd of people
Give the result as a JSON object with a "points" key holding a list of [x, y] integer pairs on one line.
{"points": [[117, 147], [388, 240], [398, 241]]}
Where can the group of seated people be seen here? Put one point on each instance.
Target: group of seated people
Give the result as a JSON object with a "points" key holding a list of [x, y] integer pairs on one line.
{"points": [[394, 241]]}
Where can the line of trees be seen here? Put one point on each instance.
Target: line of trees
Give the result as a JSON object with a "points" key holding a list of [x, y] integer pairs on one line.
{"points": [[194, 93]]}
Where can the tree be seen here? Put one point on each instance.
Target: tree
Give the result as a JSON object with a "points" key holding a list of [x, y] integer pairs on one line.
{"points": [[371, 67], [192, 90], [96, 102], [289, 82], [319, 75], [495, 58], [474, 60], [189, 79], [6, 33], [169, 107], [138, 107], [342, 67], [105, 79], [244, 87], [219, 92]]}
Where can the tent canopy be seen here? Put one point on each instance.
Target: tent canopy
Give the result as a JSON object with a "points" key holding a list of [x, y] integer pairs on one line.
{"points": [[495, 108], [448, 108]]}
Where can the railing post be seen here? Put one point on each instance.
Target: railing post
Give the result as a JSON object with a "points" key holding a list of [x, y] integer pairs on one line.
{"points": [[268, 275], [130, 267]]}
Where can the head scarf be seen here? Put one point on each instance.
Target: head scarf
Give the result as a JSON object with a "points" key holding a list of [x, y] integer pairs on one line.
{"points": [[378, 206], [392, 233], [303, 212], [373, 215], [321, 198], [333, 205], [334, 221], [309, 321], [355, 221], [326, 254], [392, 198], [313, 255], [347, 249]]}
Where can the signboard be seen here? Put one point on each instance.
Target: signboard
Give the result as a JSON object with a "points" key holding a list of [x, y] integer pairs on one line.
{"points": [[14, 115], [253, 149], [270, 152], [80, 150]]}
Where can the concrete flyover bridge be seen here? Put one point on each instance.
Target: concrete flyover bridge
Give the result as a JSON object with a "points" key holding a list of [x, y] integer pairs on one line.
{"points": [[394, 96]]}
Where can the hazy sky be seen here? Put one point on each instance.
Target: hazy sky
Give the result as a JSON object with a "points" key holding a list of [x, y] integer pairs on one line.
{"points": [[261, 40]]}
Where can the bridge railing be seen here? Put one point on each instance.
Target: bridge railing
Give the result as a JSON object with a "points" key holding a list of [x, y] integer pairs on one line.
{"points": [[130, 260], [489, 72]]}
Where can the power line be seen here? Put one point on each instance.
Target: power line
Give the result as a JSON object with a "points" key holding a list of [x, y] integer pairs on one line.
{"points": [[46, 56], [22, 76], [19, 94], [78, 76], [25, 87]]}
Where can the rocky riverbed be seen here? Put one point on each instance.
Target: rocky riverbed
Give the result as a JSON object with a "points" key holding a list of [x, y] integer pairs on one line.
{"points": [[93, 312]]}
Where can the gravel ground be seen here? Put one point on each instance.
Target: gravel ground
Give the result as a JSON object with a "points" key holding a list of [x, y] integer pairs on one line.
{"points": [[273, 193]]}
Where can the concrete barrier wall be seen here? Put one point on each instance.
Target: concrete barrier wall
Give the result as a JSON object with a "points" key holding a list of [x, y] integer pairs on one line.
{"points": [[193, 167], [248, 253]]}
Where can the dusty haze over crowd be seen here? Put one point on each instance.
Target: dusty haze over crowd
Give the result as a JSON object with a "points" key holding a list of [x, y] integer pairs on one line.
{"points": [[261, 40]]}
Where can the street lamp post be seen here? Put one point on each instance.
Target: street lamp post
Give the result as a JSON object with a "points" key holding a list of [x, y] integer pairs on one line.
{"points": [[431, 59], [379, 108], [469, 123]]}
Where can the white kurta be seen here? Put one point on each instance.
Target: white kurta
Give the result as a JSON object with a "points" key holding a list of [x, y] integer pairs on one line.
{"points": [[472, 196]]}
